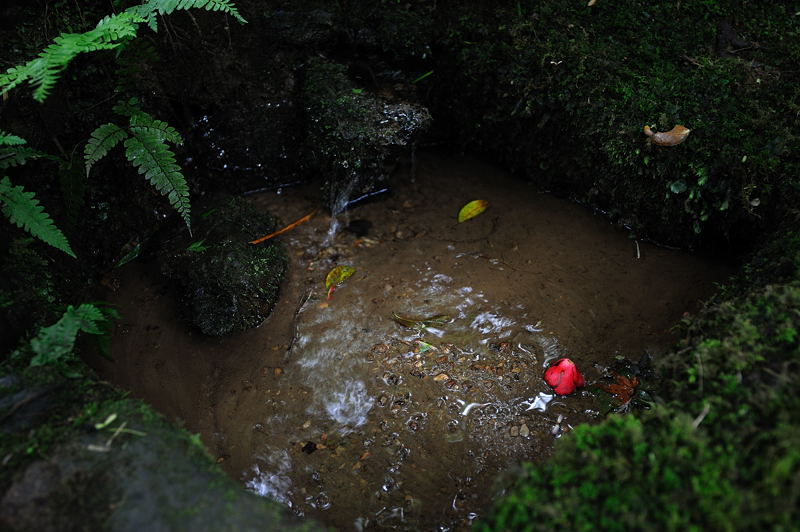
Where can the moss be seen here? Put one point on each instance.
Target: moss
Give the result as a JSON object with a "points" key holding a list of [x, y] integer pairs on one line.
{"points": [[561, 93], [720, 450], [354, 136], [626, 473], [227, 284]]}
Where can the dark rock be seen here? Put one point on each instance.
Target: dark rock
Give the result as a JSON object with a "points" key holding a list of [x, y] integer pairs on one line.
{"points": [[25, 408], [355, 137], [156, 478], [300, 28], [227, 285]]}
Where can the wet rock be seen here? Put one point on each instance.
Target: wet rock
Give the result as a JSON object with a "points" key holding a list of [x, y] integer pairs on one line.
{"points": [[355, 137], [227, 285], [25, 408], [156, 479]]}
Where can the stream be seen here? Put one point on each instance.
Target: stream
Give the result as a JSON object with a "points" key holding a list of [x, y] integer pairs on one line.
{"points": [[335, 409]]}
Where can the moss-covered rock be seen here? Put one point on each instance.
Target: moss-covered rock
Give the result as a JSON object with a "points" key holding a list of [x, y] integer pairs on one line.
{"points": [[101, 461], [561, 93], [227, 284], [720, 449], [354, 137]]}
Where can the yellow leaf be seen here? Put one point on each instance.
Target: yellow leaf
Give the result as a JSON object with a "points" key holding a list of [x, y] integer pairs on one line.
{"points": [[337, 275], [472, 209]]}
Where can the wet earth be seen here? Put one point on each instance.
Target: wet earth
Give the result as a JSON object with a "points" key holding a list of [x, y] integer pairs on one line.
{"points": [[399, 402]]}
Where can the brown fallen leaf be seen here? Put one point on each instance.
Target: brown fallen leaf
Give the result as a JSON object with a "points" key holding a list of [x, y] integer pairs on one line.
{"points": [[673, 137], [622, 388]]}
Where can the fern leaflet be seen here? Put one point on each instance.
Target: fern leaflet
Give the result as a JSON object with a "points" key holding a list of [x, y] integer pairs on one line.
{"points": [[43, 72], [23, 209], [147, 151], [150, 9], [102, 139], [19, 155], [162, 130], [141, 118], [7, 139], [56, 342]]}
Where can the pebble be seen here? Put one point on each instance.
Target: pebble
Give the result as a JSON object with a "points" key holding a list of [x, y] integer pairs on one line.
{"points": [[441, 377], [514, 431], [524, 431]]}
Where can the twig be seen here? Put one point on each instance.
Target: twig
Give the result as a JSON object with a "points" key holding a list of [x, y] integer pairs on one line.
{"points": [[287, 228], [699, 419], [700, 375], [295, 317]]}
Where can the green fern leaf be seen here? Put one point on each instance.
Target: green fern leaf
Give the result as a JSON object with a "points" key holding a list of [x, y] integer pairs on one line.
{"points": [[151, 8], [162, 130], [7, 139], [102, 139], [148, 152], [43, 72], [23, 210], [54, 343], [19, 155]]}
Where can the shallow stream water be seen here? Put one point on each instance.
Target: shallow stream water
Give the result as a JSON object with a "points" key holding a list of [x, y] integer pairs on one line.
{"points": [[335, 409]]}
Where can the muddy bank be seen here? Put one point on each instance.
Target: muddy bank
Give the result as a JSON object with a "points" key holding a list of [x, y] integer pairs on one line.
{"points": [[338, 411]]}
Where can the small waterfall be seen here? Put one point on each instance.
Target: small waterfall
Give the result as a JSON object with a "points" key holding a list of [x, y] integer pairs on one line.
{"points": [[339, 199]]}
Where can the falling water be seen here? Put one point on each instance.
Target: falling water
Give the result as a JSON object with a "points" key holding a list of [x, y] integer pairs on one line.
{"points": [[339, 199]]}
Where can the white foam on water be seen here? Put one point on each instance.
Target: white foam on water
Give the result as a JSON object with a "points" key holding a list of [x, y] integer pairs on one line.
{"points": [[348, 407], [273, 481], [489, 322]]}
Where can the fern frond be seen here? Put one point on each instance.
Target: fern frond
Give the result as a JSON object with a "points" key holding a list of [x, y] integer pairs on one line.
{"points": [[151, 8], [23, 209], [43, 72], [151, 156], [7, 139], [160, 129], [57, 341], [19, 155], [102, 139]]}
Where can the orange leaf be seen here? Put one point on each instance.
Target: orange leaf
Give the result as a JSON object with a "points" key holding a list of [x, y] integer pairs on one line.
{"points": [[673, 137], [472, 209], [292, 225], [623, 389]]}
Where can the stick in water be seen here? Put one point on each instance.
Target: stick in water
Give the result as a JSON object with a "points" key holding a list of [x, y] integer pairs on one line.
{"points": [[292, 225]]}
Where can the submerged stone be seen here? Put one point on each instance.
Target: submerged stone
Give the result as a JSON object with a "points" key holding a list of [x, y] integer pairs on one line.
{"points": [[227, 285]]}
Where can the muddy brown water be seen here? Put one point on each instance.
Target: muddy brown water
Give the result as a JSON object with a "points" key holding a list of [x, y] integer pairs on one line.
{"points": [[336, 410]]}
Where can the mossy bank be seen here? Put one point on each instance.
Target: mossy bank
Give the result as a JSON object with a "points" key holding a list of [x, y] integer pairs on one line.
{"points": [[558, 92]]}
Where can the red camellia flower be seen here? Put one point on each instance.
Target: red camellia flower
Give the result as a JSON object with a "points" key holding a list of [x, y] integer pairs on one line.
{"points": [[564, 377]]}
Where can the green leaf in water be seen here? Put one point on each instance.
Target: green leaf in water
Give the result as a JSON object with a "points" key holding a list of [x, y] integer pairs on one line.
{"points": [[421, 323], [424, 346]]}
